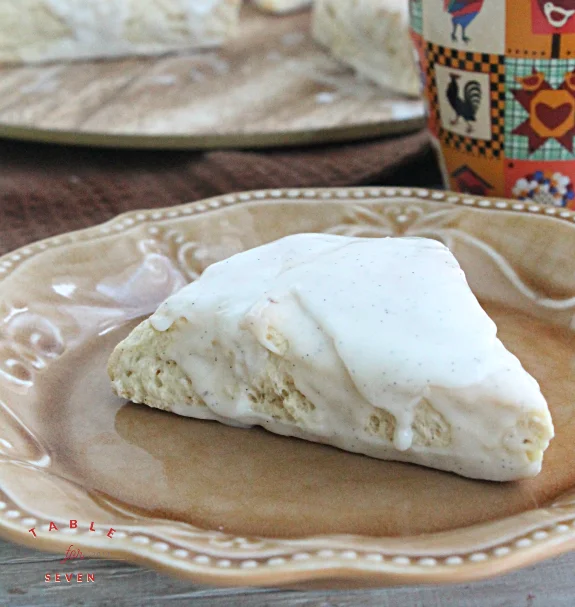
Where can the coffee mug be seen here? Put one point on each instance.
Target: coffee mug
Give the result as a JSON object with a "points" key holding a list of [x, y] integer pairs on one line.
{"points": [[499, 81]]}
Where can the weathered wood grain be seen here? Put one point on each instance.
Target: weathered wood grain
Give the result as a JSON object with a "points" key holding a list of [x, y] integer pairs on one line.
{"points": [[550, 584], [271, 85]]}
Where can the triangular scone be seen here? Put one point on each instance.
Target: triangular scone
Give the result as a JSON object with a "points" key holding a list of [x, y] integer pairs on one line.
{"points": [[376, 346], [372, 36]]}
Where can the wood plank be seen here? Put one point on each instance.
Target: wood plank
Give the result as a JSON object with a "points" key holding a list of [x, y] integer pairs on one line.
{"points": [[549, 584]]}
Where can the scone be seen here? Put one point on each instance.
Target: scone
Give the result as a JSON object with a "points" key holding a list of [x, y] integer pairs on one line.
{"points": [[375, 346], [34, 31], [281, 7], [372, 36]]}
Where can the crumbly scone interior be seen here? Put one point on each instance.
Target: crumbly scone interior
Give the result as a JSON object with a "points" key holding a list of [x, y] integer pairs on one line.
{"points": [[141, 372]]}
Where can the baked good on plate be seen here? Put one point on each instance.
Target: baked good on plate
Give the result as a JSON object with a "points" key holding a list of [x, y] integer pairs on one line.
{"points": [[373, 37], [50, 30], [376, 346]]}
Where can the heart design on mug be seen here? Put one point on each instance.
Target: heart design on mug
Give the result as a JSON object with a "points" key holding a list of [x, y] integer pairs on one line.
{"points": [[552, 117], [551, 112]]}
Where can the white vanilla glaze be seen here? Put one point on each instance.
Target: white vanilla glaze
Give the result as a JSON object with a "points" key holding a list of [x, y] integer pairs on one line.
{"points": [[106, 28], [94, 24], [361, 323]]}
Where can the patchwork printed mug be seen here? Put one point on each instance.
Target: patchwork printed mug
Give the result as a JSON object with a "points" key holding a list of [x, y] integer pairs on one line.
{"points": [[499, 81]]}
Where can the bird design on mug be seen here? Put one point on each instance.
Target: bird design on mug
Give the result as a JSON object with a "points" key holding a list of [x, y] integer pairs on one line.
{"points": [[463, 13], [557, 12]]}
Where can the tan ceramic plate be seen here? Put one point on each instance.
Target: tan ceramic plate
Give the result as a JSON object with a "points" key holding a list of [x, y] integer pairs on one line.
{"points": [[226, 506], [271, 86]]}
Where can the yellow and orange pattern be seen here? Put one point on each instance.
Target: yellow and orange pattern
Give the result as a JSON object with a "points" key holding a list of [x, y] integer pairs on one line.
{"points": [[499, 77]]}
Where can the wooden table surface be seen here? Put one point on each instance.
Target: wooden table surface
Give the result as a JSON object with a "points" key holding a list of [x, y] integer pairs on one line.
{"points": [[118, 584]]}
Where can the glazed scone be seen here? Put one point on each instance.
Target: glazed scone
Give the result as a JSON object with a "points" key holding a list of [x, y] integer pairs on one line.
{"points": [[375, 346], [35, 31], [372, 36], [281, 7]]}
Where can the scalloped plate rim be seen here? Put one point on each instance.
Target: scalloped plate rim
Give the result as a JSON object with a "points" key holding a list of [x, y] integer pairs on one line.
{"points": [[389, 570]]}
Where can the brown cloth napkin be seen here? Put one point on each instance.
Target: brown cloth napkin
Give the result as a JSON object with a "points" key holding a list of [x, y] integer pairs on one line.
{"points": [[46, 190]]}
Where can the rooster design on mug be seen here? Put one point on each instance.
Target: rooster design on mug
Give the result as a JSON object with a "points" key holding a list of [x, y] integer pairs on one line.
{"points": [[465, 106]]}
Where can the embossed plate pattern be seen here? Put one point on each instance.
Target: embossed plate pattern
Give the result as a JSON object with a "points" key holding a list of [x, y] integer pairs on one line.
{"points": [[61, 296]]}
